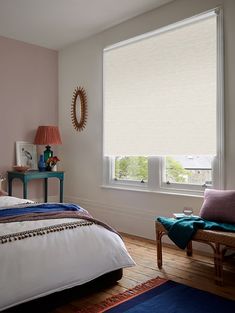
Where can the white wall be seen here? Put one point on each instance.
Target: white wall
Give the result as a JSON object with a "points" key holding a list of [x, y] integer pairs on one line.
{"points": [[81, 65]]}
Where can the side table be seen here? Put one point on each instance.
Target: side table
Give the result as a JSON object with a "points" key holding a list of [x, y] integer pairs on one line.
{"points": [[29, 175]]}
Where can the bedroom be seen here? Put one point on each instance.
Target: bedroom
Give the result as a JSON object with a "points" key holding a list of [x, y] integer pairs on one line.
{"points": [[29, 100]]}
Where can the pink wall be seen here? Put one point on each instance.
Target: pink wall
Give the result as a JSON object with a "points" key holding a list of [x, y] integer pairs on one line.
{"points": [[28, 98]]}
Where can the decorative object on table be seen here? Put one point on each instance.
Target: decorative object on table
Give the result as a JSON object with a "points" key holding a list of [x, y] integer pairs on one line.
{"points": [[26, 155], [79, 109], [48, 135], [41, 163], [19, 168], [51, 164]]}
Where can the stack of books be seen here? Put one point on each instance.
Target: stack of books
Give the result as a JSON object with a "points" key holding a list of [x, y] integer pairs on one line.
{"points": [[181, 215]]}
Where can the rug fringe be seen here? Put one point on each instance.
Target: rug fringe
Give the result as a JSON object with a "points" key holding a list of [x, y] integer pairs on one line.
{"points": [[123, 296]]}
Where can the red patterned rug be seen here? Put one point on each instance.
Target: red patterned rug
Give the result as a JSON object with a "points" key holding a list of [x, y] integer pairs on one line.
{"points": [[162, 296], [123, 296]]}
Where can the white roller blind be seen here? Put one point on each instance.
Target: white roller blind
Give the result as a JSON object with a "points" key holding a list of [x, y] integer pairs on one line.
{"points": [[160, 92]]}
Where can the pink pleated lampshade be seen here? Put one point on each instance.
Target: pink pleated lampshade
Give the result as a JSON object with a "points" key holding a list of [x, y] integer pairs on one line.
{"points": [[48, 135]]}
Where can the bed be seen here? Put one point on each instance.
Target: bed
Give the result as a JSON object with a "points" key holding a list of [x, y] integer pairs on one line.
{"points": [[39, 257]]}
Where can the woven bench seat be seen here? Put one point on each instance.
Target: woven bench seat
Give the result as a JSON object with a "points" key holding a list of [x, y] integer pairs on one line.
{"points": [[219, 241]]}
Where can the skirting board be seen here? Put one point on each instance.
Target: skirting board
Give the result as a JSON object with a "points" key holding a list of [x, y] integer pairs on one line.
{"points": [[128, 220]]}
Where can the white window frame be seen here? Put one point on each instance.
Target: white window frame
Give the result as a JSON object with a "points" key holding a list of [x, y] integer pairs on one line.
{"points": [[188, 188], [155, 181], [109, 179]]}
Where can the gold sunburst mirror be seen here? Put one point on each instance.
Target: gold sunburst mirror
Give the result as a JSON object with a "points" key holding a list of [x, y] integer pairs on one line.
{"points": [[79, 109]]}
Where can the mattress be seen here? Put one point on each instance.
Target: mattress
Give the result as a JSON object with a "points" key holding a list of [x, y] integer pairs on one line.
{"points": [[38, 265]]}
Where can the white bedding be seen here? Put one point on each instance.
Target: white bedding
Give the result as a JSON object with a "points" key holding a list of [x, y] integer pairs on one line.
{"points": [[7, 201], [40, 265]]}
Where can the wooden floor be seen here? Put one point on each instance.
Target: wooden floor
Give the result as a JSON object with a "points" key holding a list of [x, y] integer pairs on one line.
{"points": [[196, 271]]}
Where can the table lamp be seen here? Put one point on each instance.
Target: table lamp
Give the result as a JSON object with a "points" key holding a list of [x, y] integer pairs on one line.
{"points": [[47, 135]]}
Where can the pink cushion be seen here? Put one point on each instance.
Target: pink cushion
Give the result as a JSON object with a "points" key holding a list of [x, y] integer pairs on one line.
{"points": [[219, 206]]}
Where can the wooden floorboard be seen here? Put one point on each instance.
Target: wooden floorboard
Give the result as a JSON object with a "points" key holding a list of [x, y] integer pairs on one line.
{"points": [[196, 271]]}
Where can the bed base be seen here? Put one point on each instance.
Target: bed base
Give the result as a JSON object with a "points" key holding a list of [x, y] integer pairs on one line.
{"points": [[57, 299]]}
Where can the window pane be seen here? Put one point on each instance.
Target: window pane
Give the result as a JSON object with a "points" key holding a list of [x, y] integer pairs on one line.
{"points": [[131, 168], [195, 170]]}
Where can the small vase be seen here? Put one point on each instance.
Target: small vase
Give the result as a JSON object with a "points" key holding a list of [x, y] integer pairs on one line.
{"points": [[47, 153], [41, 164], [54, 168]]}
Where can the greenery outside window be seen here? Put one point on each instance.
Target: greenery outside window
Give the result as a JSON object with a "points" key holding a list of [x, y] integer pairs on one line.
{"points": [[131, 168], [193, 170], [177, 173]]}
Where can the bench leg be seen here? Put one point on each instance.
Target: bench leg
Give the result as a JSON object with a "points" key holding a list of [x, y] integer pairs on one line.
{"points": [[189, 249], [159, 248], [218, 261]]}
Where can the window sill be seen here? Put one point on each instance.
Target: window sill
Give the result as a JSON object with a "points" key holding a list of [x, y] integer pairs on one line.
{"points": [[187, 193]]}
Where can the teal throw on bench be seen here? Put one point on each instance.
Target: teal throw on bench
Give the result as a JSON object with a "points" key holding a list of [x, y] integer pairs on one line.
{"points": [[181, 231]]}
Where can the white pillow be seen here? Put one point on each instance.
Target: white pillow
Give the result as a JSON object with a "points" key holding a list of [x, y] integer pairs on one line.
{"points": [[8, 201]]}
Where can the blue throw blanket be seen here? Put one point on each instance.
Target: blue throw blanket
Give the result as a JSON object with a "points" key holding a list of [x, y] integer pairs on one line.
{"points": [[182, 230], [45, 211], [40, 208]]}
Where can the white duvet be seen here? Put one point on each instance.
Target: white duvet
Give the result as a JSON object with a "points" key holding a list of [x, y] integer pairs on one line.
{"points": [[40, 265]]}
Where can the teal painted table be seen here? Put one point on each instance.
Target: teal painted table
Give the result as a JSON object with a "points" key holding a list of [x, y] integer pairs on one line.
{"points": [[29, 175]]}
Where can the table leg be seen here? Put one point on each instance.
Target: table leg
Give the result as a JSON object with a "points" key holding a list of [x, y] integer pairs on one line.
{"points": [[25, 189], [10, 186], [45, 189], [61, 190]]}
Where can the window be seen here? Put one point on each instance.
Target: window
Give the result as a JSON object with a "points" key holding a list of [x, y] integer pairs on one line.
{"points": [[163, 107], [131, 168], [194, 170]]}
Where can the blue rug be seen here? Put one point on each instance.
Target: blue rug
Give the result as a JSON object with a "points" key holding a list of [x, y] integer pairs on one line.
{"points": [[164, 297]]}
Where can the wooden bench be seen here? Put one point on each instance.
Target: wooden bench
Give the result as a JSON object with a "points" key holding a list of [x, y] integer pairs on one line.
{"points": [[219, 242]]}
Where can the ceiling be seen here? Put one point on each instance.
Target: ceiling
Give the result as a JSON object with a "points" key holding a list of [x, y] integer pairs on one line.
{"points": [[57, 23]]}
